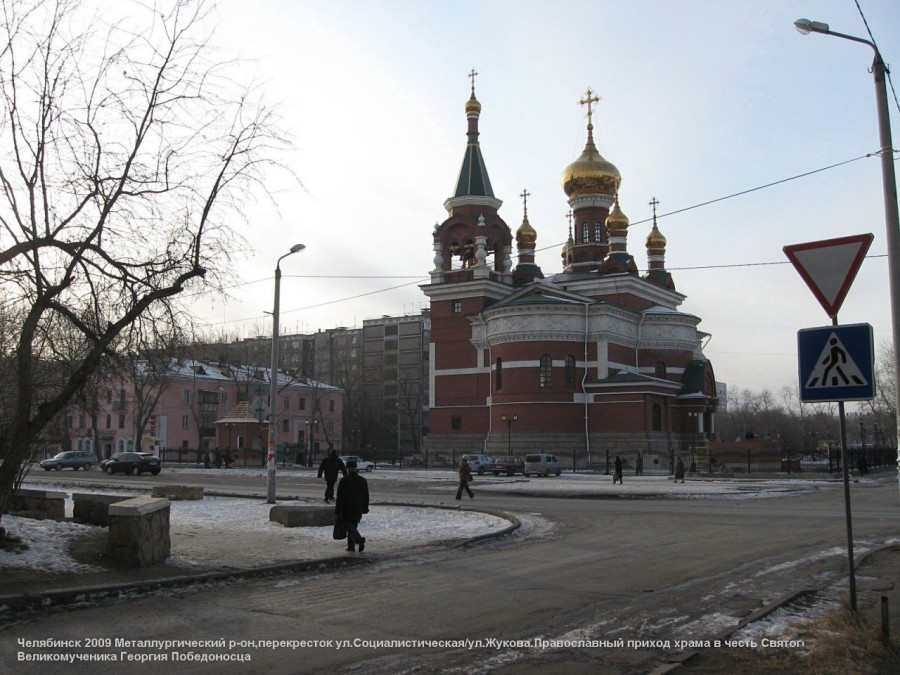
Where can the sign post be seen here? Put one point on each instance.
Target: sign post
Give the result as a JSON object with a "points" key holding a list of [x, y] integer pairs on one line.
{"points": [[835, 362]]}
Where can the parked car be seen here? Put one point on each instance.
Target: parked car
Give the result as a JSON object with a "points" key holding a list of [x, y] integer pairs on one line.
{"points": [[71, 459], [479, 463], [361, 464], [542, 465], [509, 465], [134, 463]]}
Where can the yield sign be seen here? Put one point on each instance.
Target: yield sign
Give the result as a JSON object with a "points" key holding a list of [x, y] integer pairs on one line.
{"points": [[829, 267]]}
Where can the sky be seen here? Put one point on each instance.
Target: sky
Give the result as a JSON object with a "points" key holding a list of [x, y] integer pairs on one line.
{"points": [[701, 99]]}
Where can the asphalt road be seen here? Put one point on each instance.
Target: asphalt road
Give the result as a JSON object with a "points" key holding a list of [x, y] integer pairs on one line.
{"points": [[653, 570]]}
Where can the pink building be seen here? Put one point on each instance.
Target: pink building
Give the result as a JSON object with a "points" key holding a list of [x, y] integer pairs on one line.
{"points": [[197, 405]]}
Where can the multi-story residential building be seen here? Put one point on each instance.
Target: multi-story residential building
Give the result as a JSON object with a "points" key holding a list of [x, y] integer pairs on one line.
{"points": [[194, 405]]}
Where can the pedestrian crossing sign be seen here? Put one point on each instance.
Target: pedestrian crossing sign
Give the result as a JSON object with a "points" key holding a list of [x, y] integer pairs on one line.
{"points": [[836, 363]]}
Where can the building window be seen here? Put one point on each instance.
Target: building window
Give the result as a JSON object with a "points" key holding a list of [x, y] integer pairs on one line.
{"points": [[657, 417], [584, 233], [546, 372], [109, 396], [302, 403], [499, 374], [570, 372], [287, 403], [121, 421], [186, 396], [121, 398], [331, 405], [109, 421], [285, 426], [185, 422], [456, 423], [457, 306], [660, 369], [598, 232]]}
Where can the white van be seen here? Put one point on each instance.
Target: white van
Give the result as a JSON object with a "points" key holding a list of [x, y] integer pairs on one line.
{"points": [[542, 465]]}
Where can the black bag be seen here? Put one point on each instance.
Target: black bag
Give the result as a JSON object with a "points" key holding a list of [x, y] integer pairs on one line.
{"points": [[340, 532]]}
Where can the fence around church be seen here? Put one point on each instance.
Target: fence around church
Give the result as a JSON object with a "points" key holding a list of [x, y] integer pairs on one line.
{"points": [[698, 460]]}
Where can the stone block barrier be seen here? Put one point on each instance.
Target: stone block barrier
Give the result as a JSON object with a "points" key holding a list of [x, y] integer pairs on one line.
{"points": [[176, 493], [39, 504], [139, 531], [93, 509], [301, 516]]}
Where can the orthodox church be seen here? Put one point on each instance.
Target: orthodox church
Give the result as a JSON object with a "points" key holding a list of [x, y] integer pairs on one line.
{"points": [[591, 361]]}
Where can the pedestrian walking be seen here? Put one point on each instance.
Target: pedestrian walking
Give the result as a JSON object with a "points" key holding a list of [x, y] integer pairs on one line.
{"points": [[679, 470], [639, 464], [617, 471], [330, 467], [465, 477], [351, 503]]}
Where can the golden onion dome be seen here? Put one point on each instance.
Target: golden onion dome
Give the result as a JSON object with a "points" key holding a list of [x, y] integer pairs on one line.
{"points": [[591, 173], [473, 107], [656, 239], [526, 234], [616, 220]]}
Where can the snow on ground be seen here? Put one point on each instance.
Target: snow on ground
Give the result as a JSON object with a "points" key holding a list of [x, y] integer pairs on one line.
{"points": [[393, 526]]}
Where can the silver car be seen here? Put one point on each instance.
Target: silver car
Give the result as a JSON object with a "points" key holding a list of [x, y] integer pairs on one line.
{"points": [[71, 459]]}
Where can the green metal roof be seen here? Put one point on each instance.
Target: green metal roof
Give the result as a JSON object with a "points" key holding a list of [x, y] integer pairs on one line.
{"points": [[473, 175]]}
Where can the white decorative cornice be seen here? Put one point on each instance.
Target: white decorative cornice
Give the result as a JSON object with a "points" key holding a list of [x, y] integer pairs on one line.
{"points": [[473, 200]]}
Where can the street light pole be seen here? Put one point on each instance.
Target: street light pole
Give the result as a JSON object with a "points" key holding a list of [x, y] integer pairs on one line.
{"points": [[273, 380], [509, 422], [889, 187]]}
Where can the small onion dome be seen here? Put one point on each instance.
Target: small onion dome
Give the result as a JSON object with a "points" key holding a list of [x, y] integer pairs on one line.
{"points": [[616, 221], [526, 235], [590, 173], [473, 107], [656, 239], [568, 245]]}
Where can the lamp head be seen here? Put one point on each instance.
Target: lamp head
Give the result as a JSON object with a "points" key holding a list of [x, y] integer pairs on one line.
{"points": [[805, 27], [297, 247]]}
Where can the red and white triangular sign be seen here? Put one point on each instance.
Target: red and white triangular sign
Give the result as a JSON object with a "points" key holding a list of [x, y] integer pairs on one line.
{"points": [[829, 267]]}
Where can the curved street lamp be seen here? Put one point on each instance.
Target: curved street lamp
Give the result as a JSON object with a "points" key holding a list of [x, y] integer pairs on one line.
{"points": [[273, 380], [892, 223]]}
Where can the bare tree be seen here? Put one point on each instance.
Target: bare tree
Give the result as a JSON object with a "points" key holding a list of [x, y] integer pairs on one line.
{"points": [[124, 148]]}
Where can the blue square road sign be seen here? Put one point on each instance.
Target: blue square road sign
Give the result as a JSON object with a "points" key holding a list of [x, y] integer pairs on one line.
{"points": [[836, 363]]}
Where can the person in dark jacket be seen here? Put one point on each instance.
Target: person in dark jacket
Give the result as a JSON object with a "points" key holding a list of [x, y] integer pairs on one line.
{"points": [[617, 471], [465, 477], [331, 466], [679, 470], [351, 503]]}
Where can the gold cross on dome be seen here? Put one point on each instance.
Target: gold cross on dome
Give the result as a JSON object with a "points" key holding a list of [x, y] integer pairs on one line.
{"points": [[525, 194], [589, 97], [654, 203], [472, 75]]}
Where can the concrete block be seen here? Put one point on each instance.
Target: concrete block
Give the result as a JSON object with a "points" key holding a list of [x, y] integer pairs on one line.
{"points": [[301, 516]]}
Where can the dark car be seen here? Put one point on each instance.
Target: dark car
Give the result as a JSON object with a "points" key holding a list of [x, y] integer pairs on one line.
{"points": [[509, 465], [131, 462], [72, 459]]}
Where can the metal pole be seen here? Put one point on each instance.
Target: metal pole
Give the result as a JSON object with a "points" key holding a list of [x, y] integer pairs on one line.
{"points": [[273, 392], [273, 384], [889, 188]]}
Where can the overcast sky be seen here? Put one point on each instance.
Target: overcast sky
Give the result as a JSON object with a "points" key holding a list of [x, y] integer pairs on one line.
{"points": [[700, 100]]}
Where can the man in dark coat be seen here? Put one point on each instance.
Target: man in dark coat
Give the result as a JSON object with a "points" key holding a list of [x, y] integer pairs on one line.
{"points": [[352, 502], [331, 466]]}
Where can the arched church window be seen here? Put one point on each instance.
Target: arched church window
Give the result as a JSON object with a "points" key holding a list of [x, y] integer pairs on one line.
{"points": [[660, 370], [598, 232], [657, 417], [570, 372], [546, 371], [584, 233], [498, 374]]}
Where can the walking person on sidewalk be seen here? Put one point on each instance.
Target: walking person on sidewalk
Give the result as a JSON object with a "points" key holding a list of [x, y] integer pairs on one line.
{"points": [[465, 477], [679, 470], [331, 466], [617, 471], [351, 503]]}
